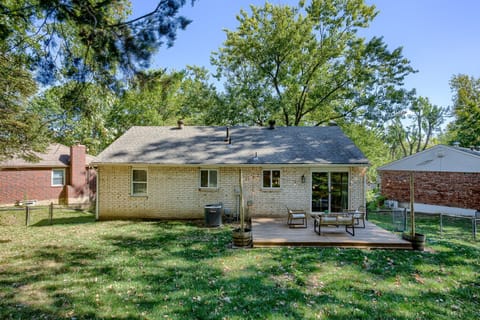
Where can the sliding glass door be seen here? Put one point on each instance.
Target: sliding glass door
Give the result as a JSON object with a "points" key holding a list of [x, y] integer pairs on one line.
{"points": [[329, 191]]}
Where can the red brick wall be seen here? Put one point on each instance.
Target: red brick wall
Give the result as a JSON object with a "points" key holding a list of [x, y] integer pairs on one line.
{"points": [[78, 178], [453, 189], [33, 184], [36, 183]]}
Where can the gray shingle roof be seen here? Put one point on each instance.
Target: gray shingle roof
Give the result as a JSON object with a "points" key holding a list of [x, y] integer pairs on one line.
{"points": [[56, 155], [206, 145]]}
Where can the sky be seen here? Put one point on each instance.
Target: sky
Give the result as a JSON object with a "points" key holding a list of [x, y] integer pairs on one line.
{"points": [[441, 38]]}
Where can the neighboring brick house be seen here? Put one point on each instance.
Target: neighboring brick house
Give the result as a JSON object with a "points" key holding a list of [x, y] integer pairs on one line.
{"points": [[173, 172], [447, 180], [62, 176]]}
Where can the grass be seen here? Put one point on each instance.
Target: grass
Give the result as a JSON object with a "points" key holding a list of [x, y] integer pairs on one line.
{"points": [[77, 268]]}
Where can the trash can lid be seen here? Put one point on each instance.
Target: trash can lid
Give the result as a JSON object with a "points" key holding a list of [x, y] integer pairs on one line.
{"points": [[216, 206]]}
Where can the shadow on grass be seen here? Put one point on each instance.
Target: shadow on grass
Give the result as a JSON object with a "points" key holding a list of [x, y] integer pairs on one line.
{"points": [[83, 219], [155, 269]]}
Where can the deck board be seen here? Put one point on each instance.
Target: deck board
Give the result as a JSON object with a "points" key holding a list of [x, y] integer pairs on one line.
{"points": [[271, 232]]}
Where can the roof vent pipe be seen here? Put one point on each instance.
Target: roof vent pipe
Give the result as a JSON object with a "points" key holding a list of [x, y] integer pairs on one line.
{"points": [[180, 124], [271, 124], [228, 135]]}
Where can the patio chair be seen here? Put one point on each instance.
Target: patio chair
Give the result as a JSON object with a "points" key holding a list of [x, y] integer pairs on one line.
{"points": [[297, 218], [358, 215]]}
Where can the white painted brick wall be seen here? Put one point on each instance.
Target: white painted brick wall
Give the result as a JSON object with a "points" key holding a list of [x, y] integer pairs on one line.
{"points": [[175, 192]]}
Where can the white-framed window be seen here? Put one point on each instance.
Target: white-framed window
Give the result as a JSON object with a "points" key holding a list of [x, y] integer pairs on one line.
{"points": [[208, 178], [58, 177], [271, 179], [139, 181]]}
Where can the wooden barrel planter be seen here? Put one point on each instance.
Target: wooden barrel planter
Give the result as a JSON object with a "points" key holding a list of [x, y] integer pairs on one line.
{"points": [[418, 241], [241, 238]]}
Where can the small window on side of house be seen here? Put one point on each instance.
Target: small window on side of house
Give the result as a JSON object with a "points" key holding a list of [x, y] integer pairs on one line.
{"points": [[271, 179], [58, 177], [208, 178], [139, 182]]}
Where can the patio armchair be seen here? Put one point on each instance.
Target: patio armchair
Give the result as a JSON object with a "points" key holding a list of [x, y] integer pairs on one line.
{"points": [[297, 218], [358, 215]]}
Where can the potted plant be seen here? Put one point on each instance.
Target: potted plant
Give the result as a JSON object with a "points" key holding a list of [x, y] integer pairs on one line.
{"points": [[242, 237]]}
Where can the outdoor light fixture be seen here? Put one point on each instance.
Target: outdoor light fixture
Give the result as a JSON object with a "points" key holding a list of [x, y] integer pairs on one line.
{"points": [[303, 178]]}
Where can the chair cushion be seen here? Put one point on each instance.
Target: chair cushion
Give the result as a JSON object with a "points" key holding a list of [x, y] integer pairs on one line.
{"points": [[298, 215]]}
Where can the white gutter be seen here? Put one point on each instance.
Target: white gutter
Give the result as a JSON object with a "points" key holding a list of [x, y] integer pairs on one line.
{"points": [[235, 165]]}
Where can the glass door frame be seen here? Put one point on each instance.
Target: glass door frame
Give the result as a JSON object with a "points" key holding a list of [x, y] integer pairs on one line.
{"points": [[329, 177]]}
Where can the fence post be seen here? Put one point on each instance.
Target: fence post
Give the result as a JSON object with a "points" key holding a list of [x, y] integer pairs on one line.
{"points": [[50, 212], [441, 223], [27, 215], [474, 227]]}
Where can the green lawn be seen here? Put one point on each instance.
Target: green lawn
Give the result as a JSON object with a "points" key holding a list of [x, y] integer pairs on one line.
{"points": [[77, 268]]}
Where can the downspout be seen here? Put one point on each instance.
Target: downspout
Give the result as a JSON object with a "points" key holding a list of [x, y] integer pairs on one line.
{"points": [[96, 194]]}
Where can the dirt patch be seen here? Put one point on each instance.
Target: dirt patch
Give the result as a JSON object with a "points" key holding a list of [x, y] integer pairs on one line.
{"points": [[31, 295]]}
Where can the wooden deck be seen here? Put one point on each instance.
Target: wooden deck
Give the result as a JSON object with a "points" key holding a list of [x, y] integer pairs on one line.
{"points": [[272, 232]]}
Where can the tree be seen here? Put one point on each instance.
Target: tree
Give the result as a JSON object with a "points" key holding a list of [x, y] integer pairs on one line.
{"points": [[89, 42], [412, 130], [161, 98], [148, 101], [86, 40], [465, 129], [307, 65], [198, 98], [77, 113], [370, 141], [21, 132]]}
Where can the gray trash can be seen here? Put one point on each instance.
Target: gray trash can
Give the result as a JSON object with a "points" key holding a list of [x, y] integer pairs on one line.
{"points": [[213, 215]]}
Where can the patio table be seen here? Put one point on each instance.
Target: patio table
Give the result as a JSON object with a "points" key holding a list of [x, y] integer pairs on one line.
{"points": [[333, 219]]}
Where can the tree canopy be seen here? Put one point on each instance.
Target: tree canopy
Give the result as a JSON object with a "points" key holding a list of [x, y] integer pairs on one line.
{"points": [[82, 43], [307, 65], [86, 40], [465, 128], [412, 130], [95, 115], [21, 132]]}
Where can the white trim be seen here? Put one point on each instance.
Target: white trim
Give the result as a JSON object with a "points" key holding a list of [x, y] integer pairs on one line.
{"points": [[132, 182], [208, 187], [63, 179], [271, 188], [233, 165]]}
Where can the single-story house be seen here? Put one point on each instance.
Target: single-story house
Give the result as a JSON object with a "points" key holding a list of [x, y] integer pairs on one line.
{"points": [[173, 172], [62, 176], [447, 180]]}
